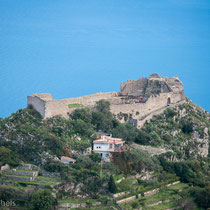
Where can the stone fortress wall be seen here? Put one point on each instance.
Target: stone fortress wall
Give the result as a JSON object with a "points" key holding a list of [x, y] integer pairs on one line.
{"points": [[131, 86], [170, 91], [48, 107]]}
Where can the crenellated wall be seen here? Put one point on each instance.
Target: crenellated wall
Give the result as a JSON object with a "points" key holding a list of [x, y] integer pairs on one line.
{"points": [[132, 86]]}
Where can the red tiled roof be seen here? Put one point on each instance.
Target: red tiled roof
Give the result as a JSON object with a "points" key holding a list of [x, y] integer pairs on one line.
{"points": [[109, 140], [68, 158]]}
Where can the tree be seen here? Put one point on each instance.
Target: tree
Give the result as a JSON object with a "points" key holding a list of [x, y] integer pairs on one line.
{"points": [[4, 154], [42, 200], [82, 128], [82, 114], [103, 106], [102, 121], [202, 196], [55, 144], [186, 126], [189, 205], [96, 157], [8, 157], [111, 185], [85, 162], [6, 194]]}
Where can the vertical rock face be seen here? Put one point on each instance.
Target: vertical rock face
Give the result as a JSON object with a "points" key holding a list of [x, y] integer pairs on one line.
{"points": [[201, 142], [138, 98]]}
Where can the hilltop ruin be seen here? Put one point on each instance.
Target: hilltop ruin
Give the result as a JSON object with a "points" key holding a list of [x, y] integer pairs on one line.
{"points": [[136, 101]]}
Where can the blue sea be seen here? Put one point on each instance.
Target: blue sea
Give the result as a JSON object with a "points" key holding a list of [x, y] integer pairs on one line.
{"points": [[74, 48]]}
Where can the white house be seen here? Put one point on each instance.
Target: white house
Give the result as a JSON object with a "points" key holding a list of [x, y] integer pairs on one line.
{"points": [[67, 160], [106, 145]]}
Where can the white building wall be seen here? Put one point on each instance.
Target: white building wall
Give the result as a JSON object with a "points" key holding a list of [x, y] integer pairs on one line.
{"points": [[104, 155], [102, 147]]}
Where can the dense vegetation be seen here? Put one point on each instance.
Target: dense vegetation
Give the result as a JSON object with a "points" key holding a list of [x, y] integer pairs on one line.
{"points": [[24, 136], [178, 128], [42, 200], [33, 139]]}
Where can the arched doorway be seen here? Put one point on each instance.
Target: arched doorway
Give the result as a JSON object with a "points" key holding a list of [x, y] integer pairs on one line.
{"points": [[169, 101]]}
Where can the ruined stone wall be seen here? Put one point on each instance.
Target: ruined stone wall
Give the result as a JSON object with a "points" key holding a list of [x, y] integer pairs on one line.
{"points": [[132, 86], [141, 110], [60, 107], [52, 108], [153, 103], [153, 85], [37, 103], [48, 107]]}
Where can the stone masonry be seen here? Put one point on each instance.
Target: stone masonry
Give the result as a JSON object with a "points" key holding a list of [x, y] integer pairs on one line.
{"points": [[136, 98]]}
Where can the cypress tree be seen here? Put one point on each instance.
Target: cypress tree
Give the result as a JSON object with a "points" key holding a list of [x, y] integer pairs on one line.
{"points": [[111, 185]]}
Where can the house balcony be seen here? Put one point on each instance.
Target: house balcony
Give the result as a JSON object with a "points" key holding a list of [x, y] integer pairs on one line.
{"points": [[121, 149]]}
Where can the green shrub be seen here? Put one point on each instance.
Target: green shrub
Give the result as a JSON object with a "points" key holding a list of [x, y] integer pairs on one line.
{"points": [[125, 117], [169, 113], [96, 157], [103, 106], [75, 105], [7, 156], [6, 194], [42, 200], [186, 126], [202, 196], [114, 169], [84, 114], [135, 204]]}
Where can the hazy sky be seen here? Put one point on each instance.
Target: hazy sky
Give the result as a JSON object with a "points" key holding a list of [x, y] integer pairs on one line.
{"points": [[77, 47]]}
